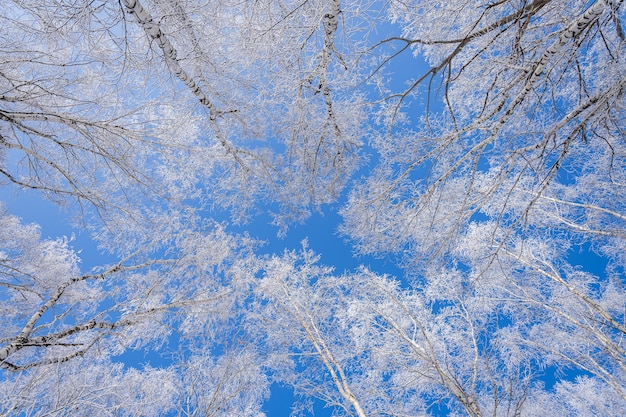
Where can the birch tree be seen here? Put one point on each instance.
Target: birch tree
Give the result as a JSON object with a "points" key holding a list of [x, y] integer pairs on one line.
{"points": [[63, 327], [533, 101], [224, 104], [121, 107], [474, 342], [516, 178]]}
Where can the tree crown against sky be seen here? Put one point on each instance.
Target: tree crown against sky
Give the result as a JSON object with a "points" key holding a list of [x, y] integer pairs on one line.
{"points": [[491, 169]]}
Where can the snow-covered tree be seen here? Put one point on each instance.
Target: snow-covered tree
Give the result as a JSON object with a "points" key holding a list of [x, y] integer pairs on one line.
{"points": [[530, 134], [460, 342], [492, 168], [62, 327]]}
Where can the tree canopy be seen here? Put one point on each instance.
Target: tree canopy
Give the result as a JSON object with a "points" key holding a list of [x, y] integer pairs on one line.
{"points": [[479, 147]]}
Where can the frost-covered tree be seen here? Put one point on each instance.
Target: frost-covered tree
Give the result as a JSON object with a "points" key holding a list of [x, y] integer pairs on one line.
{"points": [[531, 132], [89, 386], [62, 327], [491, 198], [54, 312], [151, 114], [133, 109], [459, 343], [220, 103]]}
